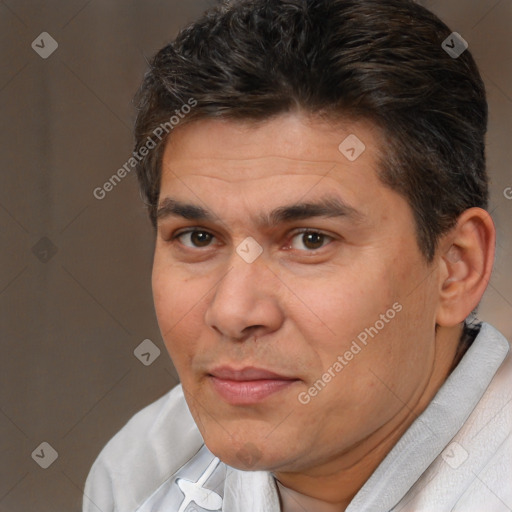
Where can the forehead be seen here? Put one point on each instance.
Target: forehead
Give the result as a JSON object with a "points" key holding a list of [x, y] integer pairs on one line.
{"points": [[296, 144], [289, 158]]}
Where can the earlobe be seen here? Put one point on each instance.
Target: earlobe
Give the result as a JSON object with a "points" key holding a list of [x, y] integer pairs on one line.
{"points": [[466, 256]]}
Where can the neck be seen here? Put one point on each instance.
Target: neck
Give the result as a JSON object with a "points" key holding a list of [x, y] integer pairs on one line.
{"points": [[331, 488]]}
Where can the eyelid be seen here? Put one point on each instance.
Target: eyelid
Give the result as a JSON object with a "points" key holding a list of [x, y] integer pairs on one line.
{"points": [[189, 229], [177, 234], [301, 231], [293, 234]]}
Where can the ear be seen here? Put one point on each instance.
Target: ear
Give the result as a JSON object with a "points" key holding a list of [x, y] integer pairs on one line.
{"points": [[466, 257]]}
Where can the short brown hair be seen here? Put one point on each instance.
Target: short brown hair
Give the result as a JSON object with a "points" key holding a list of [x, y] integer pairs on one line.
{"points": [[379, 60]]}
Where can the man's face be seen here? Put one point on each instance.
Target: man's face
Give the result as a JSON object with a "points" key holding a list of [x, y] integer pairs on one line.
{"points": [[353, 289]]}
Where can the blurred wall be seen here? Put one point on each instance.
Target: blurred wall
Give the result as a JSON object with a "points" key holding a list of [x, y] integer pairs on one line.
{"points": [[75, 297]]}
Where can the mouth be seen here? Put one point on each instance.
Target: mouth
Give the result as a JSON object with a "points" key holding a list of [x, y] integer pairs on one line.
{"points": [[249, 385]]}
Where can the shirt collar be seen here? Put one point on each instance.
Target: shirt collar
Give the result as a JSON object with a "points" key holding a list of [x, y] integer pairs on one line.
{"points": [[428, 435]]}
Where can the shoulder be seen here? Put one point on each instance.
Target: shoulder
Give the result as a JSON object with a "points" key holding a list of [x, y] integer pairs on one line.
{"points": [[152, 445], [474, 471], [486, 441]]}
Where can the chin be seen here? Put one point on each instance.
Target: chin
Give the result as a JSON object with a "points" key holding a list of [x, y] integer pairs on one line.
{"points": [[246, 456]]}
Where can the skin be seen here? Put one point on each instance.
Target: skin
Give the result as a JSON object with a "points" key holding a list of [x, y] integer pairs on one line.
{"points": [[299, 305]]}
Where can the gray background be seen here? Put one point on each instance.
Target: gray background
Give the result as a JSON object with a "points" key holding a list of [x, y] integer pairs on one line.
{"points": [[75, 305]]}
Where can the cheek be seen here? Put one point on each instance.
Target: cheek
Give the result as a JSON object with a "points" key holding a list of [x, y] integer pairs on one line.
{"points": [[348, 304], [362, 320], [178, 303]]}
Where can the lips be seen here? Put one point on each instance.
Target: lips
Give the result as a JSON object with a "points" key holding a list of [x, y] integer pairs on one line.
{"points": [[249, 373], [249, 385]]}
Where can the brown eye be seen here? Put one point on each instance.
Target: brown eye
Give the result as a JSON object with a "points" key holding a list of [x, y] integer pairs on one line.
{"points": [[195, 238], [311, 240]]}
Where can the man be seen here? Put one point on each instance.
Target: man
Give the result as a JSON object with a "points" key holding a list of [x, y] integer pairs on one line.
{"points": [[318, 192]]}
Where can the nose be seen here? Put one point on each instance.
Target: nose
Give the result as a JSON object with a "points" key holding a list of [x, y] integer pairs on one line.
{"points": [[245, 302]]}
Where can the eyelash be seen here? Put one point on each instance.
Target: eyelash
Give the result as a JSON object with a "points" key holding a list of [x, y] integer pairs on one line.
{"points": [[297, 232]]}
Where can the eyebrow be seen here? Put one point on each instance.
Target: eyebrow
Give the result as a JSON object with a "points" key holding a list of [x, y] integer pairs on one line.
{"points": [[329, 206]]}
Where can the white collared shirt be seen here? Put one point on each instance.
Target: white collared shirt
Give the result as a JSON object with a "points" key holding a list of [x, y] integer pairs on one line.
{"points": [[456, 456]]}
